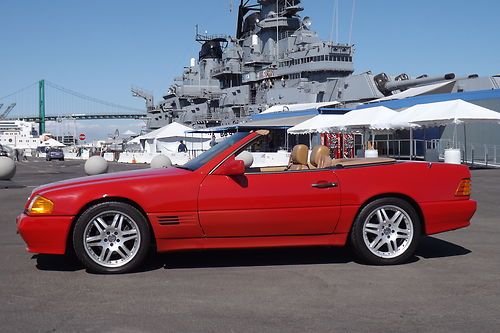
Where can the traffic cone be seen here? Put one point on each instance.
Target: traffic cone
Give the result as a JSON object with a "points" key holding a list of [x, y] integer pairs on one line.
{"points": [[133, 159]]}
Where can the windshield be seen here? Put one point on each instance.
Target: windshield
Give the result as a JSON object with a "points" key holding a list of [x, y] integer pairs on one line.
{"points": [[199, 161]]}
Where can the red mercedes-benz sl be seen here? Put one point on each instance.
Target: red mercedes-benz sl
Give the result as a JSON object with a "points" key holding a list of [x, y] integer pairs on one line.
{"points": [[218, 200]]}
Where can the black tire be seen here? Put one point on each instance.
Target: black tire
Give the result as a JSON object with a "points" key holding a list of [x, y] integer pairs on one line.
{"points": [[129, 232], [378, 241]]}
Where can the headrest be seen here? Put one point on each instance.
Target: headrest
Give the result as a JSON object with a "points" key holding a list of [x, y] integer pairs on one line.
{"points": [[318, 151], [246, 157], [299, 154]]}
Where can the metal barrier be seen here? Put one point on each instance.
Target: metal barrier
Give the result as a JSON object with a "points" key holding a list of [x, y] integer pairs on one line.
{"points": [[472, 153]]}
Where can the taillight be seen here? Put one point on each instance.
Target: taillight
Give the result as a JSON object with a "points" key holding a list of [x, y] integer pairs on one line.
{"points": [[464, 188]]}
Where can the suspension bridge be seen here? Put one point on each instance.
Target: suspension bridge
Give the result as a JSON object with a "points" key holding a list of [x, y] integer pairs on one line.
{"points": [[46, 101]]}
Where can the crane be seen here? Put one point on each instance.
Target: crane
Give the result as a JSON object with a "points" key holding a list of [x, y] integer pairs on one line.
{"points": [[7, 111]]}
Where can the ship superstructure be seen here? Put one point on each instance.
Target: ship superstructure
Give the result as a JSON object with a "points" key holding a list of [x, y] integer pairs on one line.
{"points": [[18, 134], [275, 58]]}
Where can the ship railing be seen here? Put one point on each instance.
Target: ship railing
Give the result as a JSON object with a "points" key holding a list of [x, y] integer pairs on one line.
{"points": [[208, 117], [262, 58], [225, 70]]}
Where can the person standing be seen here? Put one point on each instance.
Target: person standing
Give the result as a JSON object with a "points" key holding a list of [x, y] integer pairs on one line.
{"points": [[182, 147], [213, 142]]}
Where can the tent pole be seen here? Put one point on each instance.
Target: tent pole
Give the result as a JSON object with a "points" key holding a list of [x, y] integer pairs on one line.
{"points": [[387, 144], [286, 139], [364, 139], [465, 144], [455, 135], [411, 143], [342, 137]]}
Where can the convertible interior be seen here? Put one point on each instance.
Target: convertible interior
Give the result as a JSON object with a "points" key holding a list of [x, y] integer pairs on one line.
{"points": [[318, 159]]}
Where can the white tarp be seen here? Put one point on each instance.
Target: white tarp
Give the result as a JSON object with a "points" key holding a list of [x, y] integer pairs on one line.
{"points": [[445, 113], [442, 87], [298, 107]]}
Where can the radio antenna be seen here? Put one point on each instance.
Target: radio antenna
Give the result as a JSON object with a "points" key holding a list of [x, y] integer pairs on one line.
{"points": [[334, 13], [352, 20]]}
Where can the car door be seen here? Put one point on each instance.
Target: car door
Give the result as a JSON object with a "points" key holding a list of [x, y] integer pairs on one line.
{"points": [[269, 203]]}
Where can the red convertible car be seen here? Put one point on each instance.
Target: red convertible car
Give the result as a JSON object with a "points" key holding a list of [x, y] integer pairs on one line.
{"points": [[218, 200]]}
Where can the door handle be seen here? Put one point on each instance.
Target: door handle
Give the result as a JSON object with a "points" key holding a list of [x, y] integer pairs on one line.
{"points": [[324, 185]]}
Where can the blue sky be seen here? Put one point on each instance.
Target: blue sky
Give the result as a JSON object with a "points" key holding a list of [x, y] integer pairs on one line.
{"points": [[101, 48]]}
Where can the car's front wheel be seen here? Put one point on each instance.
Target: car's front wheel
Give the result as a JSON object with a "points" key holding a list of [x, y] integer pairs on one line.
{"points": [[111, 237], [386, 232]]}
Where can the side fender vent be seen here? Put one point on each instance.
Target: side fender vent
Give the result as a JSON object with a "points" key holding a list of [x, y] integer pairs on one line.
{"points": [[168, 220]]}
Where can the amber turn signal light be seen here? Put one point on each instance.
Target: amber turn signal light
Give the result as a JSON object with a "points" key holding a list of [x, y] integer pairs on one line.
{"points": [[464, 188], [40, 205]]}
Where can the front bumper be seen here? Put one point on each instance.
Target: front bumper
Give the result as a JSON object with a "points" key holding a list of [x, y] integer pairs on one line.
{"points": [[44, 234]]}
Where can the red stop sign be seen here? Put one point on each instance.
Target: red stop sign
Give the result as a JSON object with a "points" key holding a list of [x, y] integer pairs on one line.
{"points": [[82, 136]]}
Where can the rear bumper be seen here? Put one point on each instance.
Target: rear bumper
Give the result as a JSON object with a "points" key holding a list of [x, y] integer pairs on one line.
{"points": [[447, 215], [44, 234]]}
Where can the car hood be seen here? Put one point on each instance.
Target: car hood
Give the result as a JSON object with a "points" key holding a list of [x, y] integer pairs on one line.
{"points": [[110, 177]]}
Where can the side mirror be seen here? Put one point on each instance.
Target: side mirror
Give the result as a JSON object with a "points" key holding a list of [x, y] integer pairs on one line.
{"points": [[231, 167]]}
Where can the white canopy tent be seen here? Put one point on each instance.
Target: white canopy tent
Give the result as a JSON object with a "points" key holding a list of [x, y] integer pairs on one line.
{"points": [[315, 124], [442, 113], [52, 143], [368, 118], [374, 118], [166, 139]]}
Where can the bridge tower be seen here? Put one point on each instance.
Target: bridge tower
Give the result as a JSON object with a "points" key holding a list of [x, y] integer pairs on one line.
{"points": [[41, 106]]}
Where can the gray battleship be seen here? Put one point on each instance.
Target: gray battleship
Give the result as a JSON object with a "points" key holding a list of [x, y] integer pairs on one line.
{"points": [[275, 58]]}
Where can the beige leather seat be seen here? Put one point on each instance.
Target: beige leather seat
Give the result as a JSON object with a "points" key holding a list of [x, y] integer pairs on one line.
{"points": [[324, 161], [316, 153], [298, 158]]}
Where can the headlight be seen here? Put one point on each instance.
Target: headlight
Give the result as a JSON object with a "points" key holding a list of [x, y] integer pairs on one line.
{"points": [[40, 205]]}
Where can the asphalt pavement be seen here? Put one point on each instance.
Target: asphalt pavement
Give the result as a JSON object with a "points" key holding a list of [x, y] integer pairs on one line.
{"points": [[451, 285]]}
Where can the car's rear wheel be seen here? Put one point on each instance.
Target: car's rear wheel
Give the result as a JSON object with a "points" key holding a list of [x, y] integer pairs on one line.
{"points": [[386, 232], [111, 237]]}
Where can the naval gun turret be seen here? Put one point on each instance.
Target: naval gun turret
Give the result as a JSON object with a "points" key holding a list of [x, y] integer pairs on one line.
{"points": [[403, 82]]}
